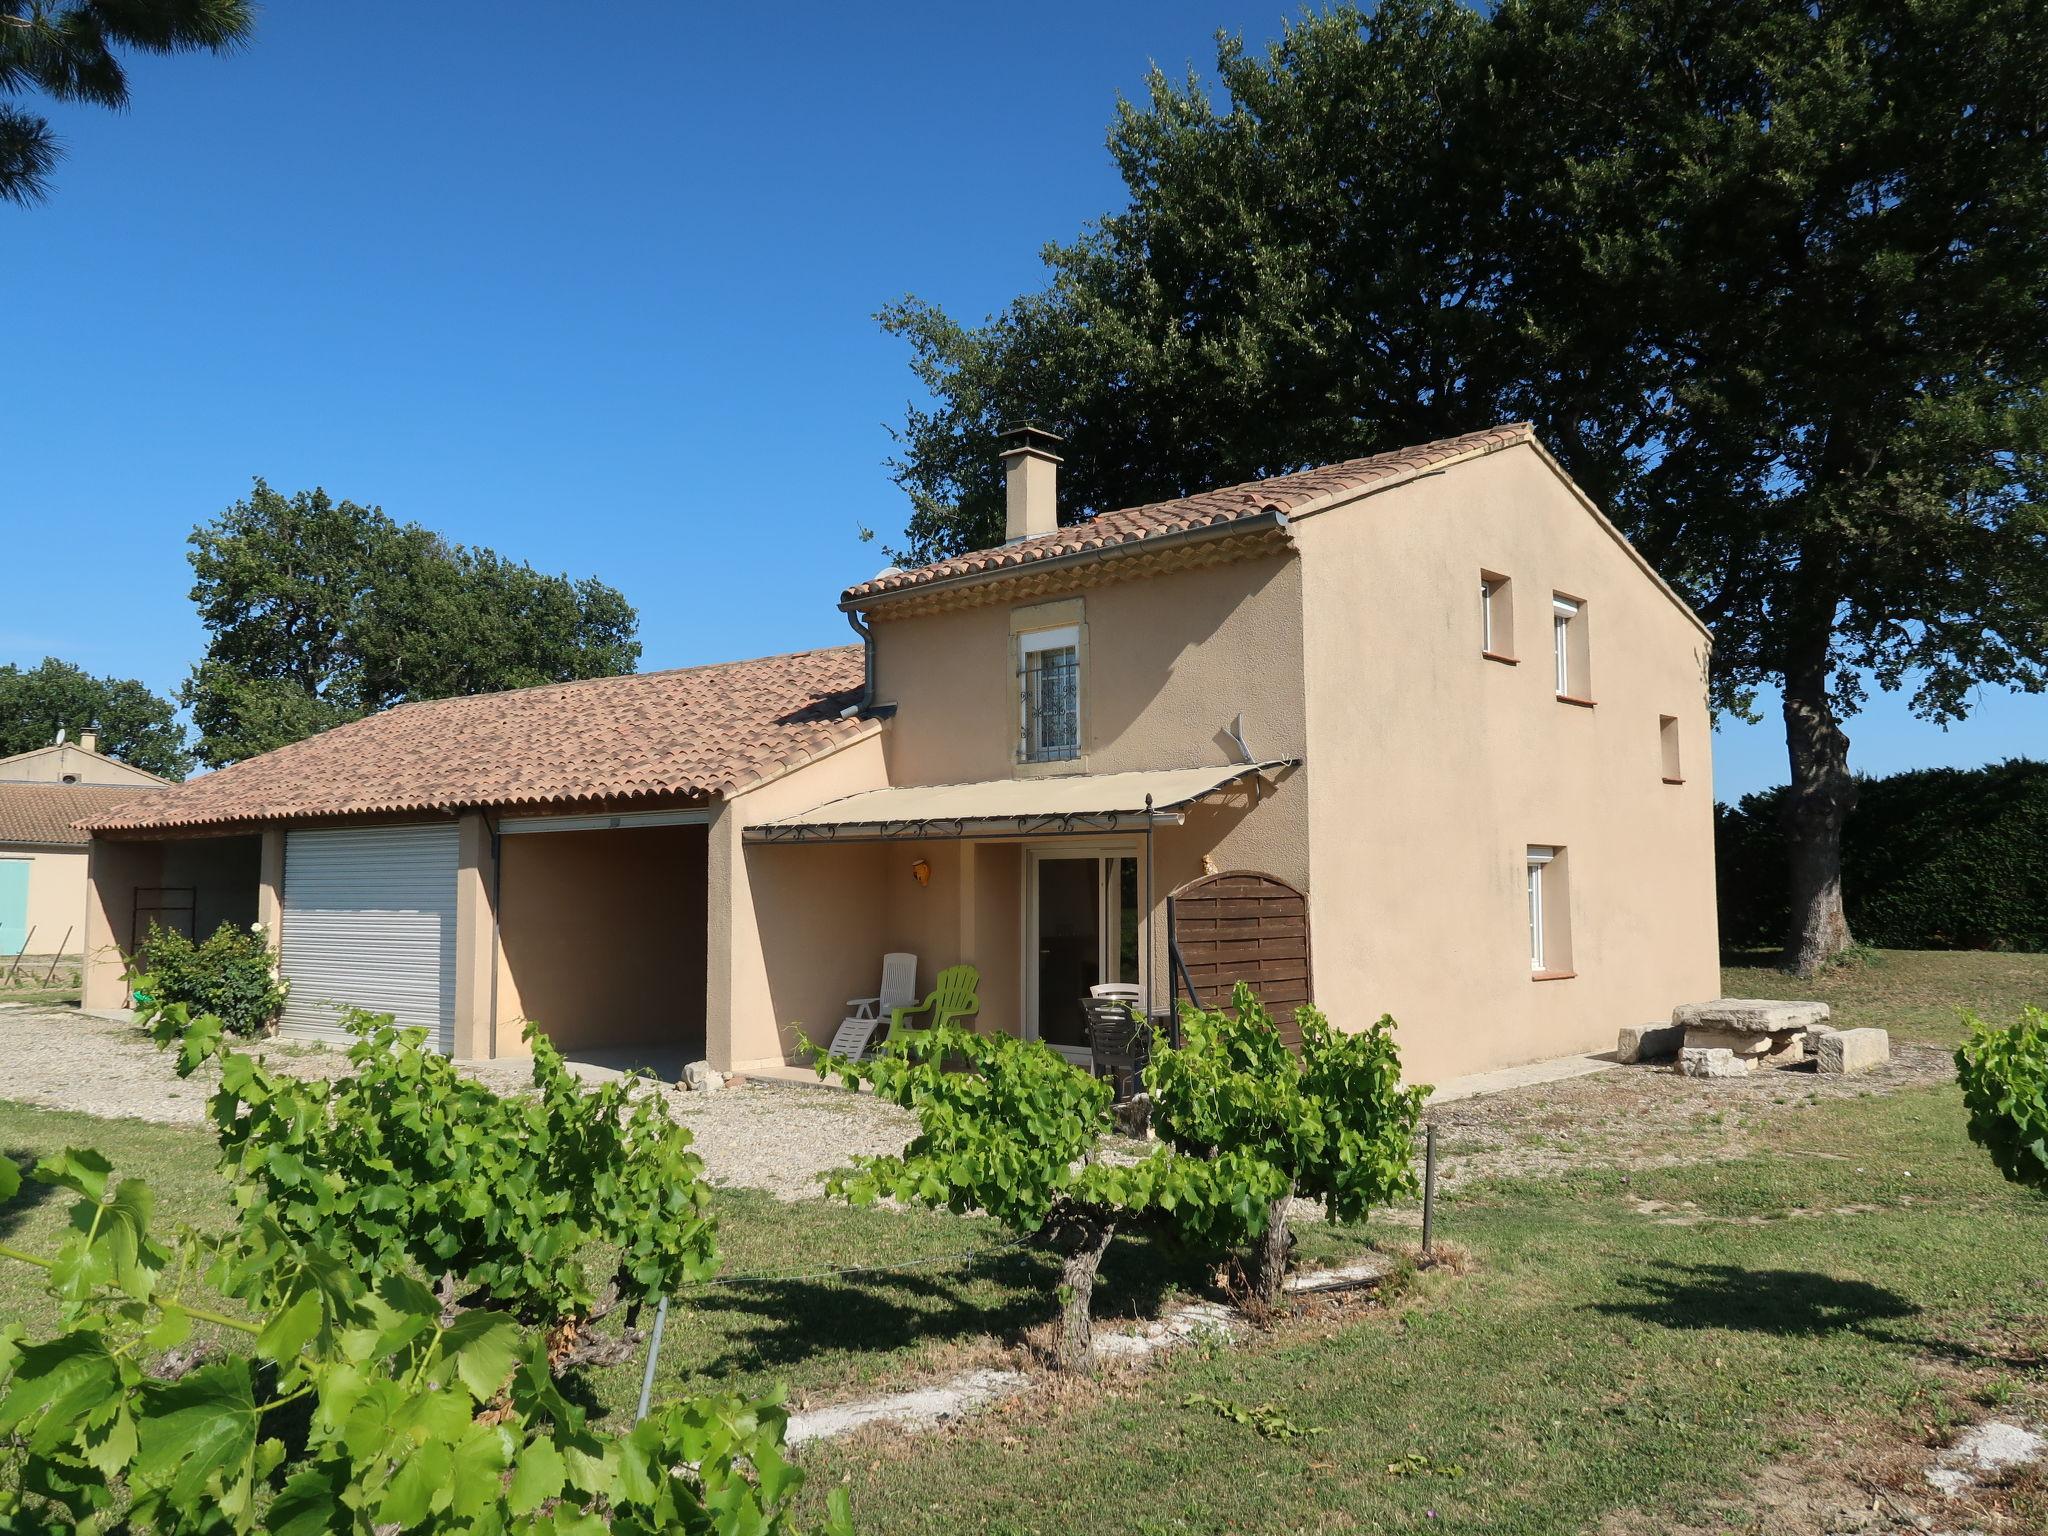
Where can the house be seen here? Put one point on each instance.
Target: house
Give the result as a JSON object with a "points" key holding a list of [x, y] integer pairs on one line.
{"points": [[42, 855], [1418, 733]]}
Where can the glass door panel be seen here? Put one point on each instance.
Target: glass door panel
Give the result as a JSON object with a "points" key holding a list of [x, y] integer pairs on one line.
{"points": [[1069, 959]]}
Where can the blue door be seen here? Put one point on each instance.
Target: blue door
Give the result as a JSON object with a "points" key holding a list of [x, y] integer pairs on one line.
{"points": [[13, 905]]}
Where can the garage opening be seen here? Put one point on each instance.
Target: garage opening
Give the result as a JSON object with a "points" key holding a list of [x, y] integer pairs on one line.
{"points": [[187, 885], [601, 940]]}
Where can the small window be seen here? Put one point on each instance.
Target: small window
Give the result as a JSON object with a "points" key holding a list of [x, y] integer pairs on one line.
{"points": [[1667, 742], [1049, 664], [70, 778], [1568, 631], [1496, 617], [1549, 914]]}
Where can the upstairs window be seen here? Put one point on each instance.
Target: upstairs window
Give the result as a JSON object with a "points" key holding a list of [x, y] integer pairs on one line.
{"points": [[1667, 743], [1550, 937], [1568, 632], [1049, 666], [1496, 617]]}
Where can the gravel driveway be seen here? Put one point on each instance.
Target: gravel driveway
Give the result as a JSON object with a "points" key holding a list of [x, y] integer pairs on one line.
{"points": [[776, 1137]]}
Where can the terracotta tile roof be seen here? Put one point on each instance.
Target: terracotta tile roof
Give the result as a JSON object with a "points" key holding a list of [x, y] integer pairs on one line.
{"points": [[44, 813], [700, 732], [1109, 532]]}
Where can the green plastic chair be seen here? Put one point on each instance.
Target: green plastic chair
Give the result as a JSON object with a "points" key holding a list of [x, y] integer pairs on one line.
{"points": [[956, 996]]}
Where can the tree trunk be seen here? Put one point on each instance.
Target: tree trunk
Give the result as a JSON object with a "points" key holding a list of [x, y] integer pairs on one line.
{"points": [[1822, 794], [1269, 1271], [1081, 1243]]}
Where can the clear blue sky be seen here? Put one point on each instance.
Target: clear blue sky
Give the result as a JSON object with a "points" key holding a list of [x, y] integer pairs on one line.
{"points": [[592, 285]]}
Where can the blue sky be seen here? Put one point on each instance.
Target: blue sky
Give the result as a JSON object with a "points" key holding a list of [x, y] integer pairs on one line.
{"points": [[591, 285]]}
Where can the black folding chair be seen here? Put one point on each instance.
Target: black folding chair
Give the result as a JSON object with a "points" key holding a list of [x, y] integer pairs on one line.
{"points": [[1119, 1042]]}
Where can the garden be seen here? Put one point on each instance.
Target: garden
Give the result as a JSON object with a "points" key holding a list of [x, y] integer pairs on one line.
{"points": [[1744, 1311]]}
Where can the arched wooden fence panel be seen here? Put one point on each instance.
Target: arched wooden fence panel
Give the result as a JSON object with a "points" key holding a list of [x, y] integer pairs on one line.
{"points": [[1242, 925]]}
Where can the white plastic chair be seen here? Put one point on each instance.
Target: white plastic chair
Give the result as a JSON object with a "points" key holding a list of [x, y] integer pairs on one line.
{"points": [[899, 990], [854, 1038]]}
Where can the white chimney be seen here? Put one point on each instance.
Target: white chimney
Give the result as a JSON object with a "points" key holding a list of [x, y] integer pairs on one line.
{"points": [[1031, 473], [89, 740]]}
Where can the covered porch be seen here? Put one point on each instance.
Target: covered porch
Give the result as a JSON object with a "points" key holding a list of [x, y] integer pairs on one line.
{"points": [[1046, 887]]}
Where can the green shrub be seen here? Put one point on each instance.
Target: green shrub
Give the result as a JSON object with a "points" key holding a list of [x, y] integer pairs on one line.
{"points": [[1937, 858], [231, 976], [1017, 1133], [2004, 1073], [409, 1168], [1332, 1120]]}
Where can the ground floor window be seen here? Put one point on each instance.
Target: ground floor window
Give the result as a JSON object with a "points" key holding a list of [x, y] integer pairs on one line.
{"points": [[1549, 912]]}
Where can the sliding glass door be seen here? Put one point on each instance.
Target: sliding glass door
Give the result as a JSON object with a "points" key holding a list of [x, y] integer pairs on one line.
{"points": [[1084, 918]]}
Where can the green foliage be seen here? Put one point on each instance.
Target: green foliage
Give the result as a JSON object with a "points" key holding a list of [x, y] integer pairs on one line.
{"points": [[410, 1168], [67, 49], [2004, 1073], [1268, 1419], [1332, 1119], [231, 975], [1012, 1128], [1936, 858], [361, 1405], [320, 611], [134, 724]]}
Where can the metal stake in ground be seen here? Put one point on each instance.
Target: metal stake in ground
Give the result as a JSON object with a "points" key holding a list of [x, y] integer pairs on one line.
{"points": [[653, 1354], [1428, 1188]]}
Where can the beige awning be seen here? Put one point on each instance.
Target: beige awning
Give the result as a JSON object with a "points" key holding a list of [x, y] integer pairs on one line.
{"points": [[1048, 807]]}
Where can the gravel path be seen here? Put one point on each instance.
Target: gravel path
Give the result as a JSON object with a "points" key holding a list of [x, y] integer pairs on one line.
{"points": [[772, 1136]]}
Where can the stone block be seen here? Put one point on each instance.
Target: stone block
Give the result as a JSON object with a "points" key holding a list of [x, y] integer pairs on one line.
{"points": [[1717, 1062], [1749, 1015], [702, 1077], [1649, 1042], [1727, 1040], [1854, 1050]]}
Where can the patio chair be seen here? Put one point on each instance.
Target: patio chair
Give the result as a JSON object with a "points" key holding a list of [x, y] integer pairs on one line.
{"points": [[855, 1038], [899, 990], [1122, 991], [956, 996], [1119, 1042]]}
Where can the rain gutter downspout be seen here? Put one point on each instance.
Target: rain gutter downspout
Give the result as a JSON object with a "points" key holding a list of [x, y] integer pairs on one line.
{"points": [[867, 661]]}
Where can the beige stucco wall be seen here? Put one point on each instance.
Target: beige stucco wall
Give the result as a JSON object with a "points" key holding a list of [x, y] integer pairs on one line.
{"points": [[602, 938], [1169, 660], [49, 765], [1435, 769], [784, 924], [56, 896]]}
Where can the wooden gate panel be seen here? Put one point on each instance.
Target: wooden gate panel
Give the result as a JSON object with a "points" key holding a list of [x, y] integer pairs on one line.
{"points": [[1242, 925]]}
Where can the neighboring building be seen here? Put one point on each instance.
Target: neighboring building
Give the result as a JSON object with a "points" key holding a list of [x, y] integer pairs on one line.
{"points": [[1429, 708], [42, 855]]}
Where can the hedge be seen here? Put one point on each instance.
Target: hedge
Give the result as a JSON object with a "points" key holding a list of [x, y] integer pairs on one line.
{"points": [[1938, 858]]}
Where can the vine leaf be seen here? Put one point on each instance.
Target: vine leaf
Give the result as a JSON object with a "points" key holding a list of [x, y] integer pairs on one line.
{"points": [[197, 1427]]}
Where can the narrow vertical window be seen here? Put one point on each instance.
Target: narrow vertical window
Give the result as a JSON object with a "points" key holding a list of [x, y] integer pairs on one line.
{"points": [[1049, 666], [1496, 617], [1667, 744], [1550, 914], [1568, 635]]}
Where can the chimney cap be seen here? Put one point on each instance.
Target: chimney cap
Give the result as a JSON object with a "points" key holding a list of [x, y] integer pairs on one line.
{"points": [[1029, 437]]}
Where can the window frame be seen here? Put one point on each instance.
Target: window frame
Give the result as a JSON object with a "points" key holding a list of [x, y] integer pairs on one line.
{"points": [[1538, 859], [1039, 642], [1496, 617]]}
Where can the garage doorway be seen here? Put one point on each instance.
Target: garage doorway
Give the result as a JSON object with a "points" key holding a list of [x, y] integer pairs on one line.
{"points": [[602, 938]]}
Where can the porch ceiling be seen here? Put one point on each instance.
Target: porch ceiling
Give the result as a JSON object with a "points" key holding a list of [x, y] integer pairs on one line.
{"points": [[1048, 807]]}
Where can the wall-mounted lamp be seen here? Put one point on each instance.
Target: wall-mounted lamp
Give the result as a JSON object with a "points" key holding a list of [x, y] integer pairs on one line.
{"points": [[921, 872]]}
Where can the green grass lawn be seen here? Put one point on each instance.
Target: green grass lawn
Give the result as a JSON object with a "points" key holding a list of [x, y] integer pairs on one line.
{"points": [[1626, 1341], [1914, 993]]}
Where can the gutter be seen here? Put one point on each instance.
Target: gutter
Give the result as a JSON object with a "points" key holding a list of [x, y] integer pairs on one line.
{"points": [[1270, 519], [867, 663]]}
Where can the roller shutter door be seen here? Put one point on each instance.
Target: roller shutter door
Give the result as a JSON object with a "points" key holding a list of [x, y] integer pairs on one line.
{"points": [[369, 922]]}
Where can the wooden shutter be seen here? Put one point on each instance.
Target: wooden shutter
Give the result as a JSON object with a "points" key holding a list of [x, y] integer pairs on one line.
{"points": [[1242, 925]]}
